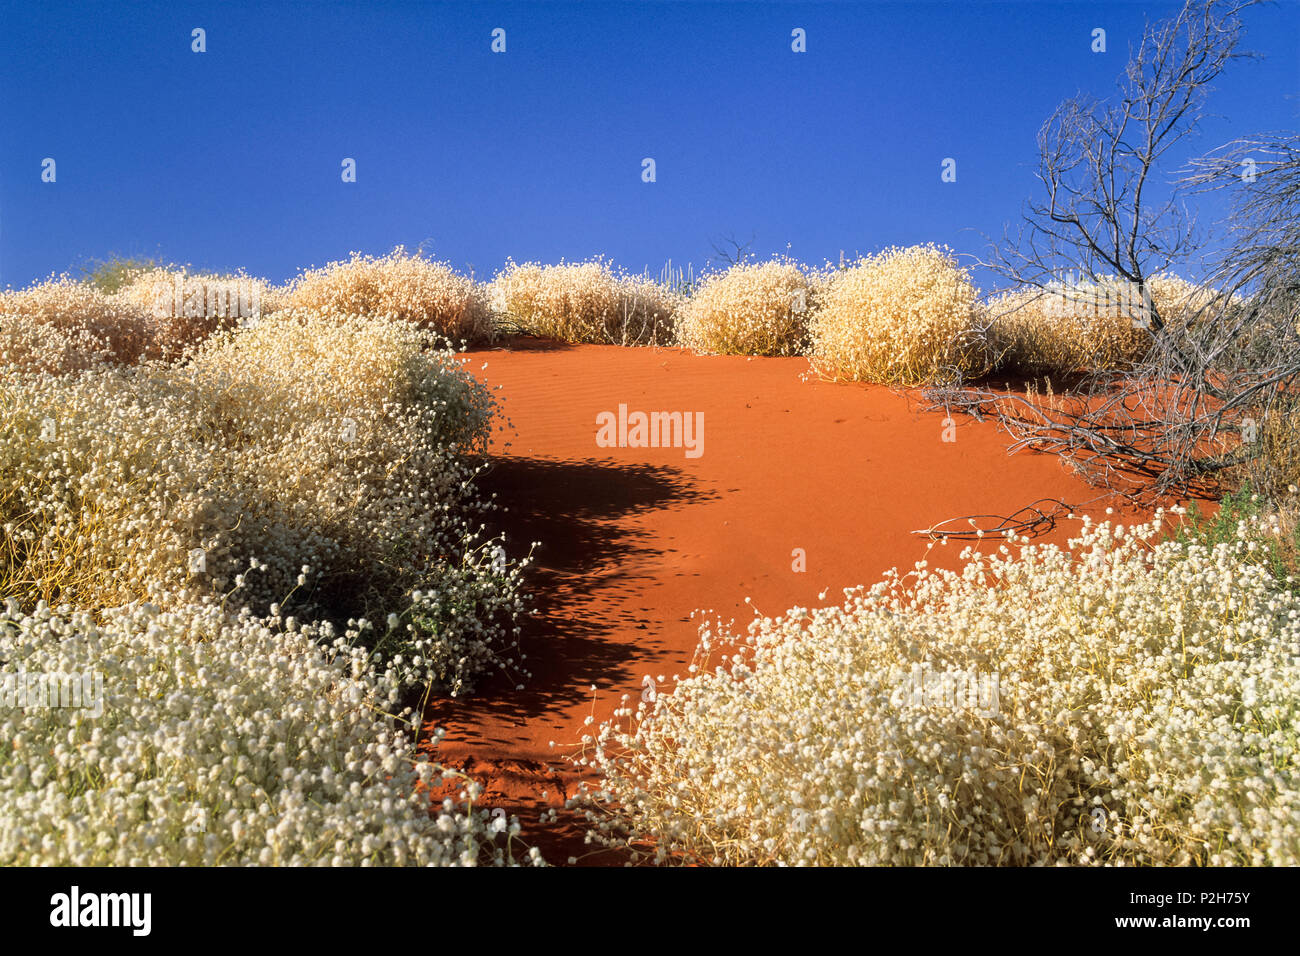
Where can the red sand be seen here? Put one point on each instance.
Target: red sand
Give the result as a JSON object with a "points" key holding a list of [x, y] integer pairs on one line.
{"points": [[635, 539]]}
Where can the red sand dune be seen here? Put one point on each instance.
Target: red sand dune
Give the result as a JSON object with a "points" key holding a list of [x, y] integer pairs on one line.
{"points": [[635, 539]]}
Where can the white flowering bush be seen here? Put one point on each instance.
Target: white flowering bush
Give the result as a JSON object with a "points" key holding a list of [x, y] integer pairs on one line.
{"points": [[1146, 713], [584, 302], [63, 326], [221, 739], [335, 451], [907, 316], [400, 286], [749, 309]]}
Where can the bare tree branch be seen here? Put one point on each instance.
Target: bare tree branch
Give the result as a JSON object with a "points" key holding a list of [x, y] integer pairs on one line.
{"points": [[1219, 382], [1097, 159], [729, 251]]}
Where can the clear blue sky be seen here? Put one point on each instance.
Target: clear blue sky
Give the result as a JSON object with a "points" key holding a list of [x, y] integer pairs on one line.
{"points": [[232, 157]]}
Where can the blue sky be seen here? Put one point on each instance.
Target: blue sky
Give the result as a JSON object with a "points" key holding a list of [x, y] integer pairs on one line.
{"points": [[233, 157]]}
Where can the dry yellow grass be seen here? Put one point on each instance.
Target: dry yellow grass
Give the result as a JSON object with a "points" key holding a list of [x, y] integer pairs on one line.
{"points": [[1086, 326], [1082, 326], [1278, 465], [903, 317]]}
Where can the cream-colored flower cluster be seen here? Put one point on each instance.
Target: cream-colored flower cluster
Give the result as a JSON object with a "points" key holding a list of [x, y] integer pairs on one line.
{"points": [[333, 450], [1147, 714], [401, 286], [223, 740], [584, 302], [907, 316], [186, 309], [750, 309], [62, 326]]}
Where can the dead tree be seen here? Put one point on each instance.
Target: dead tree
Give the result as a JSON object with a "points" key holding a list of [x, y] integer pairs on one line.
{"points": [[1182, 417], [1247, 336], [1104, 215]]}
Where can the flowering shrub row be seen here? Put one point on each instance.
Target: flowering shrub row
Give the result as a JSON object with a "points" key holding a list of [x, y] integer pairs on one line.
{"points": [[311, 468], [63, 326], [185, 309], [906, 316], [1146, 714]]}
